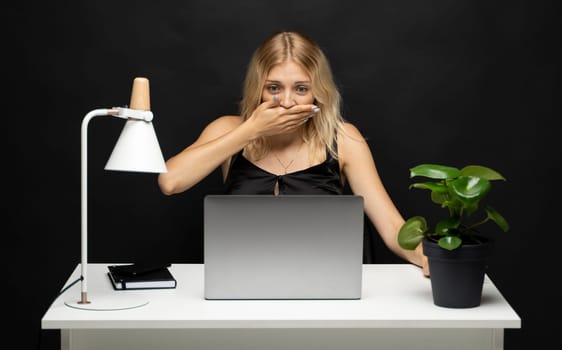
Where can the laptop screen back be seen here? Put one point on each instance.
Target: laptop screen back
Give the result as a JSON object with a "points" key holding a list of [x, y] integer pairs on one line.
{"points": [[283, 247]]}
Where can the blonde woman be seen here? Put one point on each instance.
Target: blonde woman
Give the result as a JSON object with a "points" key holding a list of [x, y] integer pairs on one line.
{"points": [[290, 138]]}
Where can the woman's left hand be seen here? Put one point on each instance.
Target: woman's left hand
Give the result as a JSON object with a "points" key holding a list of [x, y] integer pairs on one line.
{"points": [[424, 262]]}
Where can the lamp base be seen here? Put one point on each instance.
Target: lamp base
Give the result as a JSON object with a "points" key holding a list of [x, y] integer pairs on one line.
{"points": [[101, 303]]}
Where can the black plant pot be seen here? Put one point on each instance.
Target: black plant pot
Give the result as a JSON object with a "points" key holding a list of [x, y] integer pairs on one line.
{"points": [[457, 276]]}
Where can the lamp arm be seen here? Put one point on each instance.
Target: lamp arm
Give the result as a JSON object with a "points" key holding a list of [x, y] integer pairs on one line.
{"points": [[121, 112], [84, 198]]}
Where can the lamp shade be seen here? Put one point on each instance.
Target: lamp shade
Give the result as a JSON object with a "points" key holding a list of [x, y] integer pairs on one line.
{"points": [[137, 149]]}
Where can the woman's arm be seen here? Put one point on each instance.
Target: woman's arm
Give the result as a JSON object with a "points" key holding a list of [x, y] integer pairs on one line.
{"points": [[221, 139], [359, 168]]}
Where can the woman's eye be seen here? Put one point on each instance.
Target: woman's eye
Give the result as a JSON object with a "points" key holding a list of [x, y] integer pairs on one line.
{"points": [[302, 89], [273, 88]]}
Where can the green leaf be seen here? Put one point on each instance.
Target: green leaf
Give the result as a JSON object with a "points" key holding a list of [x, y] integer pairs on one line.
{"points": [[450, 242], [438, 187], [469, 189], [412, 232], [443, 227], [454, 206], [435, 171], [481, 171], [497, 218], [438, 198]]}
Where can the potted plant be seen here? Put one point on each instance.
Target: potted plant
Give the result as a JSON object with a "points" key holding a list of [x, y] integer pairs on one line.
{"points": [[457, 251]]}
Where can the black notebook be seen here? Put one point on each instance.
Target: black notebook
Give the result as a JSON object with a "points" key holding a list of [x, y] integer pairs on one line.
{"points": [[135, 276]]}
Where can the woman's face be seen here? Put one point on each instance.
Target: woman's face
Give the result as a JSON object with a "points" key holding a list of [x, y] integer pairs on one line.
{"points": [[290, 83]]}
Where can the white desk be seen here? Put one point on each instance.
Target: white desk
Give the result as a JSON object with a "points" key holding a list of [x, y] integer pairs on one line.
{"points": [[396, 311]]}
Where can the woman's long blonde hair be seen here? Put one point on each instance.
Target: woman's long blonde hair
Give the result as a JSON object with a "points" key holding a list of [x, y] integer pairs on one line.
{"points": [[321, 130]]}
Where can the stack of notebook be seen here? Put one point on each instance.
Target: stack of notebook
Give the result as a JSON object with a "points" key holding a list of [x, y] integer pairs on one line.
{"points": [[141, 276]]}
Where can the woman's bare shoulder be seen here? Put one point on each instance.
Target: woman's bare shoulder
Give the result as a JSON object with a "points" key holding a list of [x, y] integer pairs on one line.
{"points": [[225, 122], [217, 128], [349, 133], [222, 125], [351, 143]]}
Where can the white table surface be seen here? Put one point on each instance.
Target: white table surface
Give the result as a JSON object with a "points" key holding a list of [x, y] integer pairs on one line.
{"points": [[393, 296]]}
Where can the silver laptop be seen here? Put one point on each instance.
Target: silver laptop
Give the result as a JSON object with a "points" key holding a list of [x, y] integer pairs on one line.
{"points": [[283, 247]]}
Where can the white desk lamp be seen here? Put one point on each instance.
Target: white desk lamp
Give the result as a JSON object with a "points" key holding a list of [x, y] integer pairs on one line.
{"points": [[137, 149]]}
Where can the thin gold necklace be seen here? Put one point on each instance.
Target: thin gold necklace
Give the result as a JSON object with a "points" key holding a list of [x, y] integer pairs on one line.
{"points": [[286, 167]]}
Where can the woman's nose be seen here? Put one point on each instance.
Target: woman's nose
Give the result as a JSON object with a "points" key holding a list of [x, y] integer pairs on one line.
{"points": [[287, 100]]}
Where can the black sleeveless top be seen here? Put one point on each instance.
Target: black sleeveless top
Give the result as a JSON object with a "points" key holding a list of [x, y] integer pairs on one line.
{"points": [[244, 177]]}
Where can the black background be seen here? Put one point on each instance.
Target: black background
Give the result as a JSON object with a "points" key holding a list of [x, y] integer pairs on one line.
{"points": [[453, 82]]}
